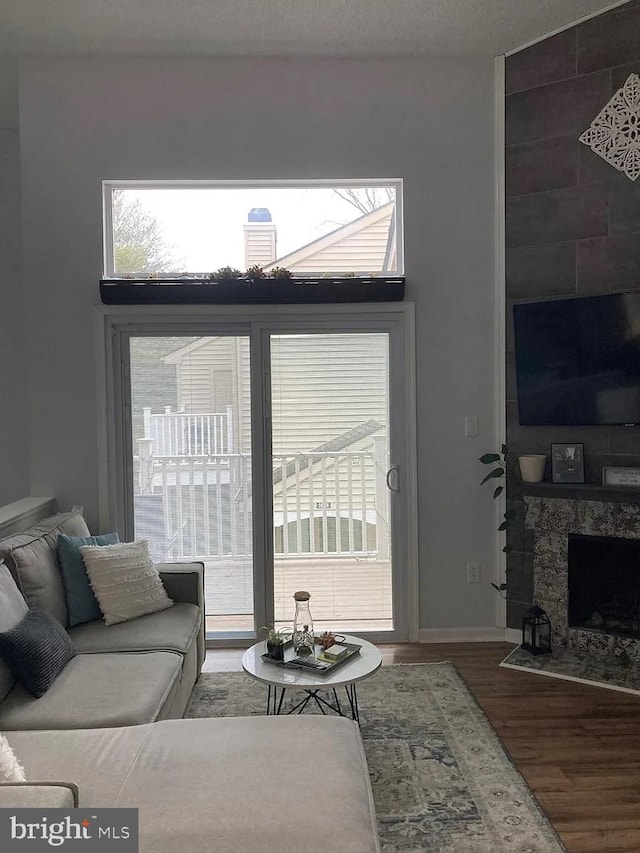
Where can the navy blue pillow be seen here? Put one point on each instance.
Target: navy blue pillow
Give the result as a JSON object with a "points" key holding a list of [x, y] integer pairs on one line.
{"points": [[82, 604], [36, 650]]}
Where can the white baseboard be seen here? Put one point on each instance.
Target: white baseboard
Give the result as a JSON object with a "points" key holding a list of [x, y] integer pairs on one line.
{"points": [[512, 635], [466, 635]]}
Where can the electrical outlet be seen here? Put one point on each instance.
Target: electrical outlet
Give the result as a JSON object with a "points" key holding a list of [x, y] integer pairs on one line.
{"points": [[473, 572]]}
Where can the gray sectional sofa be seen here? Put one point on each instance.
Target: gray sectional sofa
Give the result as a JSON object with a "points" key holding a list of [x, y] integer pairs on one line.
{"points": [[126, 674], [102, 736]]}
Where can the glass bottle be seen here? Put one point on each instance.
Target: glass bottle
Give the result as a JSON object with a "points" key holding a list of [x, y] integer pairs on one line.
{"points": [[303, 637]]}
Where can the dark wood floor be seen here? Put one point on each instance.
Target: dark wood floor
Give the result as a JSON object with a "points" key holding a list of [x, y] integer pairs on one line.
{"points": [[578, 747]]}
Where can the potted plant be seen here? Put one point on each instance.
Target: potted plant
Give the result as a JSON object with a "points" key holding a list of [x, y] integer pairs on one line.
{"points": [[280, 272], [255, 273], [275, 641], [499, 472], [226, 274]]}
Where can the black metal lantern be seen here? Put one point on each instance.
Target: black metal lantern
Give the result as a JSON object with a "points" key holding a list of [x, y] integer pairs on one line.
{"points": [[536, 631]]}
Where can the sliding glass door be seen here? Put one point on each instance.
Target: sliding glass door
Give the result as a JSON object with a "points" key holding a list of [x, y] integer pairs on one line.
{"points": [[190, 463], [277, 456], [330, 459]]}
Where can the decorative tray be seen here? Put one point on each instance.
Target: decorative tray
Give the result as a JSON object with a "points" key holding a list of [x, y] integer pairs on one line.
{"points": [[324, 667]]}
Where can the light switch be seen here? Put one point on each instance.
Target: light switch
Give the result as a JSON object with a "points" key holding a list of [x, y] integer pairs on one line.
{"points": [[471, 426]]}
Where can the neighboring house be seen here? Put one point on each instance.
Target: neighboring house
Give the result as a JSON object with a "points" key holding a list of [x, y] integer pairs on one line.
{"points": [[364, 246], [316, 396]]}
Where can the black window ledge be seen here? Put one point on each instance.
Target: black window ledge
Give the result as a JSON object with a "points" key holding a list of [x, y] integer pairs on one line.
{"points": [[267, 291]]}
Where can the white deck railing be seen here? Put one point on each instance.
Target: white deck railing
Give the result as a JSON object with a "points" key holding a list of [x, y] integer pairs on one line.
{"points": [[325, 503], [182, 434]]}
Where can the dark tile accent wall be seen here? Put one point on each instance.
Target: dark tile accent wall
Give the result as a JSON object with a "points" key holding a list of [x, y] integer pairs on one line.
{"points": [[572, 224], [572, 213], [546, 62], [608, 40], [547, 164]]}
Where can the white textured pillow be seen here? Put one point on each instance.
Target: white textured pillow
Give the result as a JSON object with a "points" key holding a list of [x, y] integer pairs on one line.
{"points": [[124, 580], [10, 768]]}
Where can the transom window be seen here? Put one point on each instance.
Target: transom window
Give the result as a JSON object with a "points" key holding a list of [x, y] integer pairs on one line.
{"points": [[197, 229]]}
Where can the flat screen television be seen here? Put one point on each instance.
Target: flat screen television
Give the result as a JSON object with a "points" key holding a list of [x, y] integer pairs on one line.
{"points": [[578, 360]]}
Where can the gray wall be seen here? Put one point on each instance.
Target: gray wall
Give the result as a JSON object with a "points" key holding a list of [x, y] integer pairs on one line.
{"points": [[14, 472], [430, 122], [572, 220]]}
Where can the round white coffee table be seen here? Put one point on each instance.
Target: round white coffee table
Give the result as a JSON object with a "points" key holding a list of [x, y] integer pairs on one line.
{"points": [[280, 679]]}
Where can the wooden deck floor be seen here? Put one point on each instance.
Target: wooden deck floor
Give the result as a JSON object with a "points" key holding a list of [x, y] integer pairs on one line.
{"points": [[348, 594], [578, 747]]}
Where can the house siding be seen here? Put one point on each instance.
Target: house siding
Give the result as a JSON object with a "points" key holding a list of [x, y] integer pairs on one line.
{"points": [[361, 252], [195, 382]]}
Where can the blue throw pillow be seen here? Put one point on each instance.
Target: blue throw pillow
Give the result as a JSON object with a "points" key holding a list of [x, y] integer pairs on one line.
{"points": [[82, 604], [36, 650]]}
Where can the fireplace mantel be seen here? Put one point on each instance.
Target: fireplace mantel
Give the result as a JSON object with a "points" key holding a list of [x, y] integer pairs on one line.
{"points": [[583, 492]]}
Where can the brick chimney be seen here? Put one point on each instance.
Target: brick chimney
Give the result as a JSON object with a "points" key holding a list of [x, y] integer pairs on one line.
{"points": [[259, 238]]}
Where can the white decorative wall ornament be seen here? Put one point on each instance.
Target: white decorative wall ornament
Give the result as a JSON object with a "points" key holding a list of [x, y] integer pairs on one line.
{"points": [[614, 133]]}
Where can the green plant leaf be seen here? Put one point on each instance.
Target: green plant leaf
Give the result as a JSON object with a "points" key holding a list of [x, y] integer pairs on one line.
{"points": [[510, 514], [503, 526], [488, 458], [499, 490], [507, 548], [492, 475], [496, 587], [503, 449]]}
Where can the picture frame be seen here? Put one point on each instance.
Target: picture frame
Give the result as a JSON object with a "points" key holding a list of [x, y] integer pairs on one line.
{"points": [[567, 463], [622, 477]]}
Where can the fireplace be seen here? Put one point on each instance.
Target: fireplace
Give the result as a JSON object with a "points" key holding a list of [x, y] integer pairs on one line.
{"points": [[586, 570], [604, 584]]}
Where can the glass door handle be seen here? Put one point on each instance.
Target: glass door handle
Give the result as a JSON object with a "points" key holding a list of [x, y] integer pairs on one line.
{"points": [[393, 478]]}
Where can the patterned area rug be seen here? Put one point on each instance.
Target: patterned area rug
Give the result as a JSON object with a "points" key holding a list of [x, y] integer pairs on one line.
{"points": [[440, 776], [609, 671]]}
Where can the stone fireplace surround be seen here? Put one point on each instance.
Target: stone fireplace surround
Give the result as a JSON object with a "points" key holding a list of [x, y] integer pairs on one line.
{"points": [[552, 520]]}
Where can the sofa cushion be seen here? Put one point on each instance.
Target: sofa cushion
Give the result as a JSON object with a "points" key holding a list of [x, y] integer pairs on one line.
{"points": [[82, 604], [97, 690], [192, 781], [12, 608], [125, 581], [36, 650], [62, 795], [172, 630], [102, 757], [32, 559]]}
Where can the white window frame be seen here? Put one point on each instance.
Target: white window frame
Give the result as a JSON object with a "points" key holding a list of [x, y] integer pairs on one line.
{"points": [[109, 186], [115, 326]]}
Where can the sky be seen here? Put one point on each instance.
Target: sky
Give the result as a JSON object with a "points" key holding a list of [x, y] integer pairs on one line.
{"points": [[204, 225]]}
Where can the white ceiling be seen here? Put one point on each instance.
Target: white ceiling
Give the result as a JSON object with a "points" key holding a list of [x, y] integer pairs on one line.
{"points": [[283, 27]]}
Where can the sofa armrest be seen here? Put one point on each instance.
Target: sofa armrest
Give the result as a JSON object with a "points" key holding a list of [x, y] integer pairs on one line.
{"points": [[38, 795], [185, 582]]}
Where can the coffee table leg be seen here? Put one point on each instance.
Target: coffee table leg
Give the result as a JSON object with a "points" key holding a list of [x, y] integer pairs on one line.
{"points": [[274, 705], [275, 702], [352, 696], [281, 700], [302, 704], [337, 701]]}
